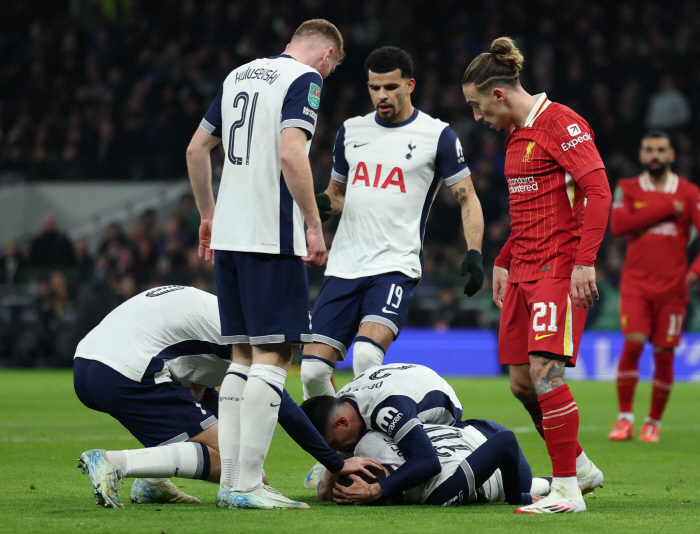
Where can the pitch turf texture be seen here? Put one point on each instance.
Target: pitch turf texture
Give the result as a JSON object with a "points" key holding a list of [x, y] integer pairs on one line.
{"points": [[44, 428]]}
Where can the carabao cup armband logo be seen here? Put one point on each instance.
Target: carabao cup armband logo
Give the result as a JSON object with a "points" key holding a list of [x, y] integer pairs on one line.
{"points": [[314, 95]]}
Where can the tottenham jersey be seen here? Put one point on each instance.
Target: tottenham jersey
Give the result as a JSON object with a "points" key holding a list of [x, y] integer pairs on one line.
{"points": [[254, 210], [393, 172], [452, 446], [173, 324], [395, 398]]}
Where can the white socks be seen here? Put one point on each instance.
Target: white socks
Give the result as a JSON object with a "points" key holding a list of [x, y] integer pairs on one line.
{"points": [[258, 417], [230, 400], [540, 486], [316, 377], [365, 355], [185, 460], [567, 486], [629, 416]]}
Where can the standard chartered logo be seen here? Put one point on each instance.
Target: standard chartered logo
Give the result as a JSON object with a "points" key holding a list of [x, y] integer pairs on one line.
{"points": [[522, 184]]}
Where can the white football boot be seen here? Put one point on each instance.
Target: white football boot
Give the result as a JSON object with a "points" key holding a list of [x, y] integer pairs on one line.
{"points": [[311, 480], [554, 503], [261, 498], [164, 492], [105, 477], [590, 481]]}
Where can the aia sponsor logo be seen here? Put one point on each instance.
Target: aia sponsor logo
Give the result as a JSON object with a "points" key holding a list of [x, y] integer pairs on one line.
{"points": [[381, 179], [576, 141]]}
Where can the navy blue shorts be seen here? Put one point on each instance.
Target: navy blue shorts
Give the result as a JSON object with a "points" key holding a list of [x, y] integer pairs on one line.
{"points": [[156, 414], [488, 429], [263, 298], [343, 305]]}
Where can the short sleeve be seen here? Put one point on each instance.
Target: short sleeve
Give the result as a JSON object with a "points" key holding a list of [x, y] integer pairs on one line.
{"points": [[340, 164], [396, 416], [570, 143], [449, 160], [211, 122], [301, 103]]}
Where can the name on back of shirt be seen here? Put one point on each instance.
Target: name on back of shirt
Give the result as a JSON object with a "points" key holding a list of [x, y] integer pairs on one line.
{"points": [[262, 74]]}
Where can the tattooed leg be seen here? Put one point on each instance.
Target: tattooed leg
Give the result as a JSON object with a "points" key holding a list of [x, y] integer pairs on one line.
{"points": [[547, 371]]}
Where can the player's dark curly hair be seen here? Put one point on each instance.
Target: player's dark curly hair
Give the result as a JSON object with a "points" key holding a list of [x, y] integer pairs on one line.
{"points": [[320, 410], [388, 59], [658, 134]]}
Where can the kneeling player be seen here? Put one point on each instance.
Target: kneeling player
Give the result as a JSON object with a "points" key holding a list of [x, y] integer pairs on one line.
{"points": [[481, 462], [141, 365]]}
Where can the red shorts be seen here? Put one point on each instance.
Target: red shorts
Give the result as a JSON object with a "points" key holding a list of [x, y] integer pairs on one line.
{"points": [[662, 322], [539, 316]]}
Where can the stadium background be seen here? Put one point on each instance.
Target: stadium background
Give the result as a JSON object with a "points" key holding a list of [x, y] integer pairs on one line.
{"points": [[106, 93]]}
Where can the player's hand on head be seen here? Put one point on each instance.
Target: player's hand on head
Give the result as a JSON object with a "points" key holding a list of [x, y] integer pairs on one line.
{"points": [[359, 463], [317, 254], [205, 240], [583, 286], [473, 265], [359, 492], [323, 201], [500, 281]]}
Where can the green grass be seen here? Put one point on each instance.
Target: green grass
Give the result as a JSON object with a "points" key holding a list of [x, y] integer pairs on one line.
{"points": [[44, 428]]}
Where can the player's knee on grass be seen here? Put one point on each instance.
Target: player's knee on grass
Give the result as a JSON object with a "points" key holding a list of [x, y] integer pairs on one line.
{"points": [[366, 353]]}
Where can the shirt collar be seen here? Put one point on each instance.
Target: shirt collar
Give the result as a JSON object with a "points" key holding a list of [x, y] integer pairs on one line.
{"points": [[396, 124], [540, 105]]}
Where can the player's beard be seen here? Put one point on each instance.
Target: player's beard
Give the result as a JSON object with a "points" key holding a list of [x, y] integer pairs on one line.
{"points": [[658, 171]]}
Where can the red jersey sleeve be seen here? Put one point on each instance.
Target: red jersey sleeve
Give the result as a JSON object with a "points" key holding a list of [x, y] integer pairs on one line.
{"points": [[597, 190], [505, 256], [695, 216], [570, 143], [626, 218]]}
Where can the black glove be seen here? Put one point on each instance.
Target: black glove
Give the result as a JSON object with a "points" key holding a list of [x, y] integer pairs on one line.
{"points": [[474, 265], [323, 201]]}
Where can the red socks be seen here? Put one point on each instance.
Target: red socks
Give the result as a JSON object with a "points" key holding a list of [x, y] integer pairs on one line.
{"points": [[628, 375], [663, 381], [560, 425], [536, 414]]}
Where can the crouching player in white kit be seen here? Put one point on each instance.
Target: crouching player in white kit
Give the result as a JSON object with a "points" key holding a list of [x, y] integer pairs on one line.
{"points": [[388, 167], [480, 462], [397, 400], [143, 365]]}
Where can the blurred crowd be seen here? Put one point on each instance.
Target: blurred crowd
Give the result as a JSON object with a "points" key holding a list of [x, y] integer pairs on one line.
{"points": [[114, 89]]}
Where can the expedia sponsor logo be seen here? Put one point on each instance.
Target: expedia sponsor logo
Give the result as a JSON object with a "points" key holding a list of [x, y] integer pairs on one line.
{"points": [[576, 141], [522, 184]]}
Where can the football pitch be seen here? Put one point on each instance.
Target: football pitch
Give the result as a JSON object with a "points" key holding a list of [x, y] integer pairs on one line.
{"points": [[44, 428]]}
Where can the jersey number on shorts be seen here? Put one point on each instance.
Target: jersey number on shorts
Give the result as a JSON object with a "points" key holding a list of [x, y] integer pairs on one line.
{"points": [[242, 100], [395, 291], [676, 324], [540, 309]]}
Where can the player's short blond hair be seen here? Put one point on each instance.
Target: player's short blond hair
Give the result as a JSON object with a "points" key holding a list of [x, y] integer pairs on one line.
{"points": [[501, 66], [324, 29]]}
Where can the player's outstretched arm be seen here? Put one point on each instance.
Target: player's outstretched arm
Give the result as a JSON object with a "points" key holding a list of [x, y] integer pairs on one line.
{"points": [[626, 219], [473, 224], [199, 170], [296, 170]]}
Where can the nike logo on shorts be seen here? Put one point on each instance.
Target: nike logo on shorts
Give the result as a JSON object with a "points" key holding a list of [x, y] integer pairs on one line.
{"points": [[388, 311], [358, 146], [274, 405], [538, 337]]}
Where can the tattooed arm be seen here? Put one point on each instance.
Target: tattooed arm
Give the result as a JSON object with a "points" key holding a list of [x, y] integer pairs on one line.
{"points": [[472, 216], [336, 192], [547, 371]]}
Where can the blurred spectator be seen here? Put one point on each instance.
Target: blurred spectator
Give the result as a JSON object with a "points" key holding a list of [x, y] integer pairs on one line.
{"points": [[669, 107], [84, 261], [52, 248], [12, 263]]}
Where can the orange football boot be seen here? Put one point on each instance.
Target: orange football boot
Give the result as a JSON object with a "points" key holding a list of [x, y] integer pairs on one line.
{"points": [[622, 430], [649, 433]]}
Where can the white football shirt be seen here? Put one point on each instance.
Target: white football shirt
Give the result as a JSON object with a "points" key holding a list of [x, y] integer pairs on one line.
{"points": [[179, 325], [452, 445], [395, 398], [255, 211], [393, 172]]}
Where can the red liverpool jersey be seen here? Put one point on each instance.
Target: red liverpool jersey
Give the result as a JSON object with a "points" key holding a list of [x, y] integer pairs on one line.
{"points": [[544, 160], [656, 259]]}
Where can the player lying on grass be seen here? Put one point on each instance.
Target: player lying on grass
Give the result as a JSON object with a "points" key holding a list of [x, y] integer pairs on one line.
{"points": [[141, 365], [481, 462], [395, 400]]}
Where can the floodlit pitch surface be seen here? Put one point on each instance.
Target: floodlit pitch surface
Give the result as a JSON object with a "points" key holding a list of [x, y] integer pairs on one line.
{"points": [[44, 428]]}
